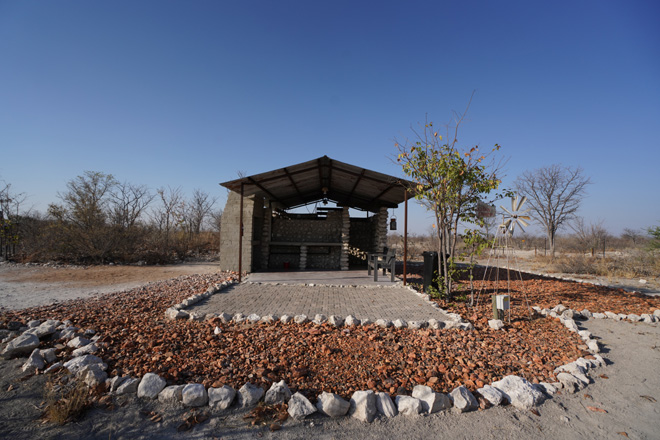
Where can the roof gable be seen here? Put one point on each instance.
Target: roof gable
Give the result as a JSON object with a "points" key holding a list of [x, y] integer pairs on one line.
{"points": [[326, 178]]}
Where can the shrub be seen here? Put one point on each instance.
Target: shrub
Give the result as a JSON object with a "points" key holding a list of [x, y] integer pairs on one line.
{"points": [[65, 401]]}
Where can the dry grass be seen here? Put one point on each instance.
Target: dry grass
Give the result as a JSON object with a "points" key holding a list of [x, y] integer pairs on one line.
{"points": [[628, 265], [65, 401]]}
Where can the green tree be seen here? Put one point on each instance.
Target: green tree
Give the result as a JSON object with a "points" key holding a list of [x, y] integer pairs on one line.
{"points": [[450, 182], [654, 233]]}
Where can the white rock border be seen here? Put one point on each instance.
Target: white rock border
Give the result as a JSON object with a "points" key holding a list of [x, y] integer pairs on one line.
{"points": [[571, 377]]}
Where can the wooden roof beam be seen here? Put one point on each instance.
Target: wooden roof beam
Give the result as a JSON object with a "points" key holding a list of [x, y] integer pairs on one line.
{"points": [[270, 194], [293, 182]]}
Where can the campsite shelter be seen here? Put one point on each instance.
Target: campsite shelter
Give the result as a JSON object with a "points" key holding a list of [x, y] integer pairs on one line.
{"points": [[274, 236]]}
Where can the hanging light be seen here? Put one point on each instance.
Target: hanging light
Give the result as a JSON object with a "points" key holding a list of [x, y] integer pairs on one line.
{"points": [[325, 195], [393, 221]]}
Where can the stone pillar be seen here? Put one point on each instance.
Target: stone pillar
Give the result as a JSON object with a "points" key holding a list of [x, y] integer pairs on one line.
{"points": [[345, 238], [303, 257], [380, 236], [265, 236], [229, 235]]}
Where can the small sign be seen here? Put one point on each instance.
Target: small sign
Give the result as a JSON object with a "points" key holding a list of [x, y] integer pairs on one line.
{"points": [[485, 210], [503, 302]]}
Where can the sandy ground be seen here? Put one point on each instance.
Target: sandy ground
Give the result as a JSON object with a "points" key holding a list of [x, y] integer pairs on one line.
{"points": [[28, 286], [627, 392]]}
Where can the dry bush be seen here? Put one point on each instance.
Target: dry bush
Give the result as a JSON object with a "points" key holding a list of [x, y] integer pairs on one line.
{"points": [[65, 401], [632, 264], [576, 264]]}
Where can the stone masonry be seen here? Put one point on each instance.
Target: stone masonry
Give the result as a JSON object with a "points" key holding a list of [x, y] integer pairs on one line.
{"points": [[381, 230], [229, 235], [345, 238]]}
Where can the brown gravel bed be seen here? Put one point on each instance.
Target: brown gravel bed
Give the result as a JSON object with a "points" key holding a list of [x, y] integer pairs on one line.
{"points": [[137, 339]]}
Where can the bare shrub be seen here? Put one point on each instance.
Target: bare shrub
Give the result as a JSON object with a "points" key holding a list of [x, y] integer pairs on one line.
{"points": [[65, 401], [633, 264]]}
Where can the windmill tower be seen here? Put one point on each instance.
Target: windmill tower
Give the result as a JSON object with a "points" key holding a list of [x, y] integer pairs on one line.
{"points": [[510, 270]]}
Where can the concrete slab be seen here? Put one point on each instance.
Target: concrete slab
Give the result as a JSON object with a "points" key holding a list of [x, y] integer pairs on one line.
{"points": [[372, 302], [333, 277]]}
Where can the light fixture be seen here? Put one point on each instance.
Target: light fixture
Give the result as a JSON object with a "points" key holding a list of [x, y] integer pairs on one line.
{"points": [[325, 195]]}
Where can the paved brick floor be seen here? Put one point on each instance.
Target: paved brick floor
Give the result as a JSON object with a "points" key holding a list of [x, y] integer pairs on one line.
{"points": [[279, 299]]}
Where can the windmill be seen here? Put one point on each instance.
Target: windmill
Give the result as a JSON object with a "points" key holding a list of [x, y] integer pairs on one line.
{"points": [[510, 219], [515, 216]]}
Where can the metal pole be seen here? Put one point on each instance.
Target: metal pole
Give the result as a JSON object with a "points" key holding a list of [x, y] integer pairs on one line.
{"points": [[240, 239], [405, 237]]}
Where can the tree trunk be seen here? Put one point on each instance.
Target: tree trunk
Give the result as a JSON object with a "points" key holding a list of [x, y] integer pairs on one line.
{"points": [[551, 239]]}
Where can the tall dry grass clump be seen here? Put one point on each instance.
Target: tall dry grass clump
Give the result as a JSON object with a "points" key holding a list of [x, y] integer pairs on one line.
{"points": [[65, 401]]}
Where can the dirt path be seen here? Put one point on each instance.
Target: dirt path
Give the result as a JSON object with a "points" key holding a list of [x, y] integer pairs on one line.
{"points": [[27, 286]]}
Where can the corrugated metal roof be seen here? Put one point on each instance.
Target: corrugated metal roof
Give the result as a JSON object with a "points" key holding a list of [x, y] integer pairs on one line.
{"points": [[345, 184]]}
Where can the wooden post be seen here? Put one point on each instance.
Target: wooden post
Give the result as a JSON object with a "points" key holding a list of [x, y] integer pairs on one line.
{"points": [[240, 238], [405, 237]]}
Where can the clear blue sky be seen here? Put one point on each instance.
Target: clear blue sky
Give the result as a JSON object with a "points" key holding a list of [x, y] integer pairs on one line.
{"points": [[188, 93]]}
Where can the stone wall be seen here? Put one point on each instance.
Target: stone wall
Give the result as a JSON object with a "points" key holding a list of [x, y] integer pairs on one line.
{"points": [[307, 229], [323, 230], [261, 228], [380, 230], [230, 227], [345, 238], [362, 240]]}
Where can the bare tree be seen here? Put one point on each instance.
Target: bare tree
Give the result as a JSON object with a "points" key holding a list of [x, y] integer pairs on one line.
{"points": [[128, 203], [83, 214], [199, 209], [490, 225], [10, 202], [554, 193], [216, 220], [633, 235], [589, 236], [168, 215]]}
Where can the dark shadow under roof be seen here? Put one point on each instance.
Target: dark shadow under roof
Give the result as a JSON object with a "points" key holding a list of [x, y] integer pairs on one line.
{"points": [[344, 184]]}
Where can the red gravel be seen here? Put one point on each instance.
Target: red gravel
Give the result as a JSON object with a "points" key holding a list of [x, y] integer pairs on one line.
{"points": [[548, 292], [136, 339]]}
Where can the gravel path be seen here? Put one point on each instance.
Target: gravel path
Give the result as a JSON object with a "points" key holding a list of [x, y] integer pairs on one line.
{"points": [[362, 302]]}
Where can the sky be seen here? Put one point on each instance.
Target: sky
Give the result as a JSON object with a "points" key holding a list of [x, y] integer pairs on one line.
{"points": [[190, 93]]}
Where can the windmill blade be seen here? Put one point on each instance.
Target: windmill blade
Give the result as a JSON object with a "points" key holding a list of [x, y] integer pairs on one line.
{"points": [[522, 223], [521, 228], [505, 210], [521, 203], [513, 203], [506, 224], [525, 217]]}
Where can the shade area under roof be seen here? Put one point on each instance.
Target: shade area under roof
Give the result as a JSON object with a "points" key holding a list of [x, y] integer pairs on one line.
{"points": [[326, 178]]}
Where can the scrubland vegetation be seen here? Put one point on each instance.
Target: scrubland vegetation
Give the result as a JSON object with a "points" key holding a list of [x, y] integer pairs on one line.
{"points": [[100, 220], [632, 254]]}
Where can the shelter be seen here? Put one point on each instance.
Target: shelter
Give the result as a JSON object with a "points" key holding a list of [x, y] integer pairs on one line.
{"points": [[260, 231]]}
